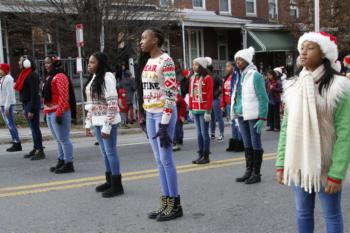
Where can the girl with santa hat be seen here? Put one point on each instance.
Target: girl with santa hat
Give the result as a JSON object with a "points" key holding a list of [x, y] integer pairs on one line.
{"points": [[7, 104], [314, 150]]}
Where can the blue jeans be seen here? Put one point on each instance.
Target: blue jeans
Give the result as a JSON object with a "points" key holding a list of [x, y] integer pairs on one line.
{"points": [[331, 207], [202, 132], [179, 132], [10, 123], [62, 135], [216, 116], [236, 134], [163, 156], [108, 147], [251, 139], [34, 124]]}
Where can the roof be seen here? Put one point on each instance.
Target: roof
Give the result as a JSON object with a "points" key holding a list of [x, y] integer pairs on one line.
{"points": [[203, 18]]}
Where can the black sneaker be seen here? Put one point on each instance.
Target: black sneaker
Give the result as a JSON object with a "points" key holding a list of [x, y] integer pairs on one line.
{"points": [[30, 154], [15, 147], [39, 154], [66, 168]]}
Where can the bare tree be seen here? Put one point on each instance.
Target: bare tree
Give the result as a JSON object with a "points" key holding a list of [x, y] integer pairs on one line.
{"points": [[334, 19]]}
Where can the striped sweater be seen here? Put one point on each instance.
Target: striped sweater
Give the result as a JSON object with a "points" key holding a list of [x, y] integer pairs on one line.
{"points": [[159, 86]]}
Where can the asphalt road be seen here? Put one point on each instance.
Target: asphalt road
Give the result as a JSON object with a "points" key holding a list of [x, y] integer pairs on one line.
{"points": [[34, 200]]}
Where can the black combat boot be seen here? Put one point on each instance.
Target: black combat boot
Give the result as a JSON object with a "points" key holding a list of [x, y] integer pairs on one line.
{"points": [[116, 187], [256, 175], [172, 211]]}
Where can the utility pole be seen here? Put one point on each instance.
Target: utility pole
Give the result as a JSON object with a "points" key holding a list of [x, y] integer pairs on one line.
{"points": [[317, 15]]}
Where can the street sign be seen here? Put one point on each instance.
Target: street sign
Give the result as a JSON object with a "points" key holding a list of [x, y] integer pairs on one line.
{"points": [[79, 34], [79, 65]]}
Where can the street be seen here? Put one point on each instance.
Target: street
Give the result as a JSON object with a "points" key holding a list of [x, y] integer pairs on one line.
{"points": [[34, 200]]}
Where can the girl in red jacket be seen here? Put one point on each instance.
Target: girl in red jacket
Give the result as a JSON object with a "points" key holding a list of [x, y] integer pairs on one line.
{"points": [[200, 101], [123, 107], [181, 115]]}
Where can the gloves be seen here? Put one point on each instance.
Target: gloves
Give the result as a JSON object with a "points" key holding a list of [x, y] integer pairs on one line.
{"points": [[190, 114], [59, 120], [259, 125], [207, 117], [163, 135]]}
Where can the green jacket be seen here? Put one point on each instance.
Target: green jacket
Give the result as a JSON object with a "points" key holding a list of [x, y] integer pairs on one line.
{"points": [[341, 149]]}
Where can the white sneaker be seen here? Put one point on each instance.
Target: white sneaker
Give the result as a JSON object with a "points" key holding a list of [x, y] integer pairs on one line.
{"points": [[220, 138], [176, 148]]}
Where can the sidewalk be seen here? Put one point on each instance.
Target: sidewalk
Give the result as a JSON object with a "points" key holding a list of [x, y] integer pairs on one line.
{"points": [[25, 134]]}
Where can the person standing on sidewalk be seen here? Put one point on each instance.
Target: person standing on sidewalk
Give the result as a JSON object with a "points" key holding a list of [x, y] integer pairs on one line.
{"points": [[230, 86], [314, 151], [181, 107], [200, 105], [103, 115], [274, 90], [27, 85], [250, 106], [128, 83], [216, 113], [59, 102], [157, 90], [7, 104]]}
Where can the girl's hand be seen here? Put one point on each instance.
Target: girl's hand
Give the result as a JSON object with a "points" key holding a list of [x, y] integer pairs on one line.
{"points": [[279, 176], [88, 132], [105, 136], [332, 187]]}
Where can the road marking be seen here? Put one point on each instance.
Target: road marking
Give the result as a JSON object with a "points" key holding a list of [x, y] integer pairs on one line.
{"points": [[129, 176]]}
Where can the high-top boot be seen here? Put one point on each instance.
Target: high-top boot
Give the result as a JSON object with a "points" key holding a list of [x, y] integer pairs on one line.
{"points": [[205, 158], [116, 187], [200, 156], [256, 175], [103, 187], [66, 168], [172, 211], [163, 205], [16, 146], [231, 142], [249, 154], [60, 163], [239, 146], [38, 155]]}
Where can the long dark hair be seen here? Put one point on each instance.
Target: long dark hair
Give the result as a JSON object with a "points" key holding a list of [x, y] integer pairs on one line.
{"points": [[47, 90], [204, 72], [99, 81], [141, 63], [273, 73]]}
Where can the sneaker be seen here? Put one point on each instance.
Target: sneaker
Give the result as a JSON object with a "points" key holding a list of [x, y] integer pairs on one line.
{"points": [[212, 137], [176, 147], [220, 138]]}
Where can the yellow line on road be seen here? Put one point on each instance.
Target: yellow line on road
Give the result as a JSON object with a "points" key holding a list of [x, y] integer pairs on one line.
{"points": [[89, 181]]}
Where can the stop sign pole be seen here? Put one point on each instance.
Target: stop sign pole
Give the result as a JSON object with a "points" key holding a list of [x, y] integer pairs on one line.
{"points": [[80, 43]]}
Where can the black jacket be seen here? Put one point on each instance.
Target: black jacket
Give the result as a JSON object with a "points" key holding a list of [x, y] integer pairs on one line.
{"points": [[217, 86], [30, 92]]}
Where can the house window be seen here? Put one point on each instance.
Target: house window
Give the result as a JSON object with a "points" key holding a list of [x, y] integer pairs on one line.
{"points": [[225, 6], [166, 2], [250, 6], [294, 10], [43, 43], [273, 9], [194, 45], [222, 47], [198, 3]]}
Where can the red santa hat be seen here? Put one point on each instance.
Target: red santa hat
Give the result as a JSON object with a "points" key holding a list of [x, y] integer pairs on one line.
{"points": [[327, 43], [347, 60], [5, 68]]}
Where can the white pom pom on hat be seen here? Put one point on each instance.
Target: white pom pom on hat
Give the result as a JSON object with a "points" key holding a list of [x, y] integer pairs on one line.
{"points": [[327, 43], [246, 54]]}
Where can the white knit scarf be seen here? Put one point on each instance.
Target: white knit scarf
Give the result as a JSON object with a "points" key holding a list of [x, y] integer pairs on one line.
{"points": [[303, 142]]}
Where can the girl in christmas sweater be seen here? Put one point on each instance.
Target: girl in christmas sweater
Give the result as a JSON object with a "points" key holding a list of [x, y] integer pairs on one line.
{"points": [[200, 105], [157, 91], [103, 115], [314, 150]]}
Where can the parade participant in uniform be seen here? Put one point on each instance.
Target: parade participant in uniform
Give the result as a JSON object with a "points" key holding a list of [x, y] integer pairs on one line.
{"points": [[103, 115], [59, 103], [27, 85], [314, 150], [230, 86], [157, 94], [7, 104], [200, 105], [250, 105]]}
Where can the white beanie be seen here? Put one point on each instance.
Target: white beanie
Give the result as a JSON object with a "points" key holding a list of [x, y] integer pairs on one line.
{"points": [[204, 61], [246, 54], [278, 69], [327, 43]]}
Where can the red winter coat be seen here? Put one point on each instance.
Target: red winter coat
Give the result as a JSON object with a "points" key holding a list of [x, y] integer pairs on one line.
{"points": [[122, 100], [204, 105], [181, 107], [226, 92]]}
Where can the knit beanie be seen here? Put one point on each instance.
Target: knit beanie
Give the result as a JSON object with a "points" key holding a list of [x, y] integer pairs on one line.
{"points": [[246, 54], [5, 68], [203, 61], [327, 43]]}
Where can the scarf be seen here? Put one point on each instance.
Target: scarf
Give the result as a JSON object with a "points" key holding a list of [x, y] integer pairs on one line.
{"points": [[22, 78], [303, 157], [200, 90]]}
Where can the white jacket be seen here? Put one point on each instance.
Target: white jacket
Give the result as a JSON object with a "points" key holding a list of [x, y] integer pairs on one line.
{"points": [[7, 92]]}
